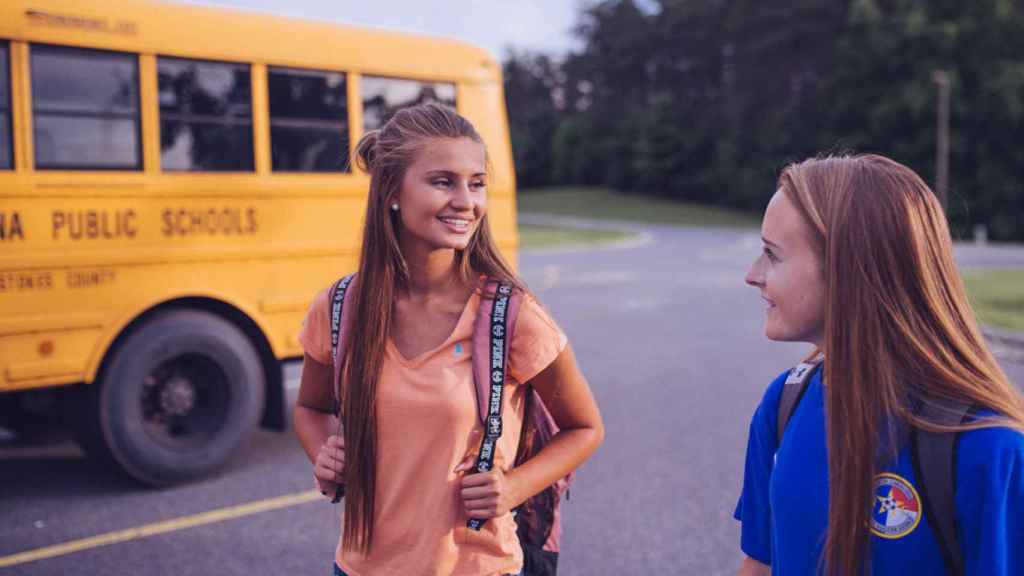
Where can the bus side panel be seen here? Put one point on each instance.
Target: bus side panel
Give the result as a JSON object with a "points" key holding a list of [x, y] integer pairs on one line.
{"points": [[90, 264], [47, 357]]}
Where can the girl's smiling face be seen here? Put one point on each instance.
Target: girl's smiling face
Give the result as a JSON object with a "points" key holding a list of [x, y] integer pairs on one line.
{"points": [[443, 195], [790, 276]]}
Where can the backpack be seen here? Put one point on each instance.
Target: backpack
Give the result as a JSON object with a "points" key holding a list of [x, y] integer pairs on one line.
{"points": [[538, 520], [932, 456]]}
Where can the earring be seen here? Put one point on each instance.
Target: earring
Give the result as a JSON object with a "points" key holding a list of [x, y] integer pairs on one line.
{"points": [[394, 207]]}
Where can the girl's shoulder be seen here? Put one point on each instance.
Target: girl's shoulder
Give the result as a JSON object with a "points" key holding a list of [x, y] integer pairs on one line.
{"points": [[768, 409], [767, 413], [535, 324], [990, 455], [315, 333], [989, 476], [321, 301], [773, 394], [536, 341], [531, 317], [983, 445], [320, 308]]}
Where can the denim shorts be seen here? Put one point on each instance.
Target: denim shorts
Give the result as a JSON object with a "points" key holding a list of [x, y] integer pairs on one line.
{"points": [[339, 572]]}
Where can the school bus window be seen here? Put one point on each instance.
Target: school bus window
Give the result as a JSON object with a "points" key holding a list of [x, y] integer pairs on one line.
{"points": [[382, 97], [85, 108], [308, 120], [205, 116], [5, 110]]}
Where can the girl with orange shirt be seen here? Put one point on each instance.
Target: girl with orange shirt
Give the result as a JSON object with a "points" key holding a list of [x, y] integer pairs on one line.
{"points": [[408, 402]]}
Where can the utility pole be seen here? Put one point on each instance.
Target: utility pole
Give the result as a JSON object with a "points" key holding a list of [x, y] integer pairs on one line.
{"points": [[941, 79]]}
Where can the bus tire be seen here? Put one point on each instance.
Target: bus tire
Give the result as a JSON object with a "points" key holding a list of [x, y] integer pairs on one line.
{"points": [[176, 399]]}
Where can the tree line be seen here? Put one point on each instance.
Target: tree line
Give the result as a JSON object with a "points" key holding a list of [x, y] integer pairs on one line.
{"points": [[706, 100]]}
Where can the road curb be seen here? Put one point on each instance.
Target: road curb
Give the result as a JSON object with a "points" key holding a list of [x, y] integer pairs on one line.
{"points": [[538, 219], [638, 236], [1005, 344]]}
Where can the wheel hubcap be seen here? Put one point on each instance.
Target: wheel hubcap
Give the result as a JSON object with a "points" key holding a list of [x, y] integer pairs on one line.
{"points": [[177, 396], [185, 402]]}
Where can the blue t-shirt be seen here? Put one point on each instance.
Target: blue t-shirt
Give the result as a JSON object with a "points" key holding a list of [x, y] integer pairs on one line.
{"points": [[784, 503]]}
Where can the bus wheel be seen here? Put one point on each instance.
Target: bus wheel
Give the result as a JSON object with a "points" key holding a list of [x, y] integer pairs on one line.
{"points": [[176, 399]]}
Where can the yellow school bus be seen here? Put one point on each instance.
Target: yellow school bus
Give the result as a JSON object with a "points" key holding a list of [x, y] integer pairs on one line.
{"points": [[174, 188]]}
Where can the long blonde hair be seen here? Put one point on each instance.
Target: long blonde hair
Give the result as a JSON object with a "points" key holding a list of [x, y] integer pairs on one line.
{"points": [[385, 155], [898, 329]]}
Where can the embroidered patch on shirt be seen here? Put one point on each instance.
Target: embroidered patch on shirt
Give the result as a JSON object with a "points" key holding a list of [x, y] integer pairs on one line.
{"points": [[897, 508]]}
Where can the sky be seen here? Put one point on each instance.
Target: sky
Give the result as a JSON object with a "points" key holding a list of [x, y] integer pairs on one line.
{"points": [[496, 25]]}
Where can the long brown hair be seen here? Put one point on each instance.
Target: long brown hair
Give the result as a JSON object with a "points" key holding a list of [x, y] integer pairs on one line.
{"points": [[385, 155], [898, 329]]}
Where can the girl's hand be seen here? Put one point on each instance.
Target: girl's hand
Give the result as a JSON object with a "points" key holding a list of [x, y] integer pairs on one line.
{"points": [[751, 567], [487, 494], [329, 469]]}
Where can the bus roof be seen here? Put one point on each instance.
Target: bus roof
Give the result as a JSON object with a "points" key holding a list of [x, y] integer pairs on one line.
{"points": [[175, 29]]}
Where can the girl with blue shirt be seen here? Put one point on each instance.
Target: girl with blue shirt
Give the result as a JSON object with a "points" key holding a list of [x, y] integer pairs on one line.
{"points": [[858, 262]]}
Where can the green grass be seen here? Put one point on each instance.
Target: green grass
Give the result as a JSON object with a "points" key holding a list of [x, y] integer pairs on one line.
{"points": [[604, 204], [997, 297], [551, 236]]}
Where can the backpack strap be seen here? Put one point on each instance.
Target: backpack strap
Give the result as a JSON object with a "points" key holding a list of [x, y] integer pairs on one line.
{"points": [[483, 349], [339, 295], [934, 459], [490, 367], [793, 391]]}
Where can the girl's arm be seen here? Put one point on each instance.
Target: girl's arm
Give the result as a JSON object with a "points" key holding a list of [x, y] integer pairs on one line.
{"points": [[567, 396], [314, 422], [751, 567]]}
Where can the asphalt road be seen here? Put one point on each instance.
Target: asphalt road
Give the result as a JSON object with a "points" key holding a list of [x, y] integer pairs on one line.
{"points": [[670, 340]]}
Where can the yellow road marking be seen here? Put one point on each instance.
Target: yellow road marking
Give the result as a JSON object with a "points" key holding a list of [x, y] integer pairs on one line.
{"points": [[218, 515]]}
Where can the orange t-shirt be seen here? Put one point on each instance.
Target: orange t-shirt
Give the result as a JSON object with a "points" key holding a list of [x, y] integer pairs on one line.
{"points": [[427, 423]]}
